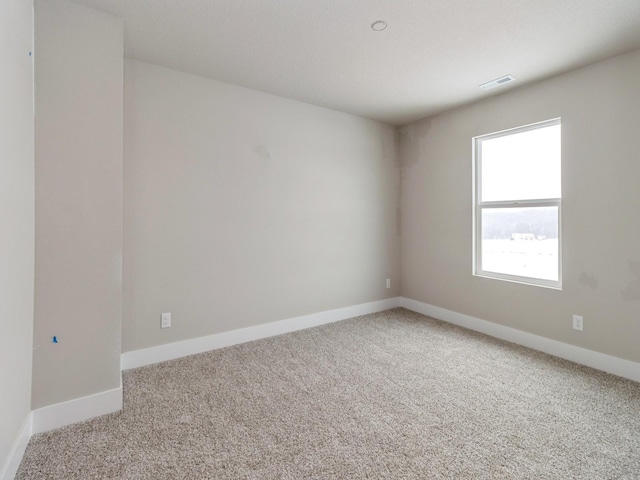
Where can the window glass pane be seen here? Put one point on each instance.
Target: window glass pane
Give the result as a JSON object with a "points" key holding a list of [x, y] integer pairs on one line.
{"points": [[521, 241], [521, 166]]}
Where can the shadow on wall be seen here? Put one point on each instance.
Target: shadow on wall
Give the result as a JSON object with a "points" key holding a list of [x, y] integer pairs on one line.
{"points": [[411, 138], [588, 279], [632, 292]]}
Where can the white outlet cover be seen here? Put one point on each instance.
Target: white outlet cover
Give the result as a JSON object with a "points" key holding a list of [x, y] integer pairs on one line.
{"points": [[578, 322], [165, 320]]}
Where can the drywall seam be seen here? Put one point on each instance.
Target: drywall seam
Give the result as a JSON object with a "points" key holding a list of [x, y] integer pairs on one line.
{"points": [[77, 410], [17, 451], [600, 361], [170, 351]]}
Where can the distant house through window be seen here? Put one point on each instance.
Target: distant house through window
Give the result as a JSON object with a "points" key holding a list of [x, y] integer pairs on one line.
{"points": [[517, 200]]}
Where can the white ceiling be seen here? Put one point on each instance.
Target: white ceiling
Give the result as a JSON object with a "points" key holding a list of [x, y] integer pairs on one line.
{"points": [[432, 56]]}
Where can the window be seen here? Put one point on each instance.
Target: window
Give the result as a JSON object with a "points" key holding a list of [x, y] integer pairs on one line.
{"points": [[517, 205]]}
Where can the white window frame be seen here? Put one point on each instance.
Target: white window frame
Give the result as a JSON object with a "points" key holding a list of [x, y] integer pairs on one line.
{"points": [[479, 206]]}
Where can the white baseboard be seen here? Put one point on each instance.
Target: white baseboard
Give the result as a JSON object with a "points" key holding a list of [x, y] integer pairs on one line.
{"points": [[599, 361], [17, 451], [170, 351], [76, 410]]}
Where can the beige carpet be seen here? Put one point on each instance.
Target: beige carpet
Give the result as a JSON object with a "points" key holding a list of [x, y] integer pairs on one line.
{"points": [[393, 395]]}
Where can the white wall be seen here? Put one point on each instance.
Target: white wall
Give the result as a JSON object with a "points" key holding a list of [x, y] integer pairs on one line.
{"points": [[16, 220], [243, 208], [600, 110], [78, 288]]}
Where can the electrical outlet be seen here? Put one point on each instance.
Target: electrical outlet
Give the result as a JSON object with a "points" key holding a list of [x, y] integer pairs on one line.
{"points": [[578, 322], [165, 320], [388, 283]]}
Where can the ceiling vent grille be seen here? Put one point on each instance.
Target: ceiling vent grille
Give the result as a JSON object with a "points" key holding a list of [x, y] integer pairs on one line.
{"points": [[497, 82]]}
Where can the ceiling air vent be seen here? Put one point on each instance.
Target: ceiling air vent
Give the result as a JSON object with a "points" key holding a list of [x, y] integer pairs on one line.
{"points": [[497, 82]]}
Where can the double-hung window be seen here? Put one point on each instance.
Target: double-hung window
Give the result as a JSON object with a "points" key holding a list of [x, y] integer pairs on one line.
{"points": [[517, 202]]}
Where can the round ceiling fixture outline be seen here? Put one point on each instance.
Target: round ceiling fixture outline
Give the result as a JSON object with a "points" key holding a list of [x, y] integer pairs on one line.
{"points": [[378, 25]]}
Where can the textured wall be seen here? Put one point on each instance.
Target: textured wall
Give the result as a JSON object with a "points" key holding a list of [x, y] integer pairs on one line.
{"points": [[78, 289], [244, 208], [600, 110], [16, 219]]}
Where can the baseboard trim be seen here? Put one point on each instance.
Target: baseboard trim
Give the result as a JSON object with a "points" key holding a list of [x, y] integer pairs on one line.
{"points": [[583, 356], [77, 410], [17, 451], [170, 351]]}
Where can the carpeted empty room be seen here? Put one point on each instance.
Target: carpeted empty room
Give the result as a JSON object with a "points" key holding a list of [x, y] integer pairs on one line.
{"points": [[285, 239], [387, 395]]}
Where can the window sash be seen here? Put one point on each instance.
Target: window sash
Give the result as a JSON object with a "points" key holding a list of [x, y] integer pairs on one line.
{"points": [[477, 151], [511, 277]]}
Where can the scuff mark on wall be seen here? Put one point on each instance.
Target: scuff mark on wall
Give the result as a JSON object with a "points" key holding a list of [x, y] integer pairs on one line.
{"points": [[588, 280], [262, 151], [632, 291]]}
